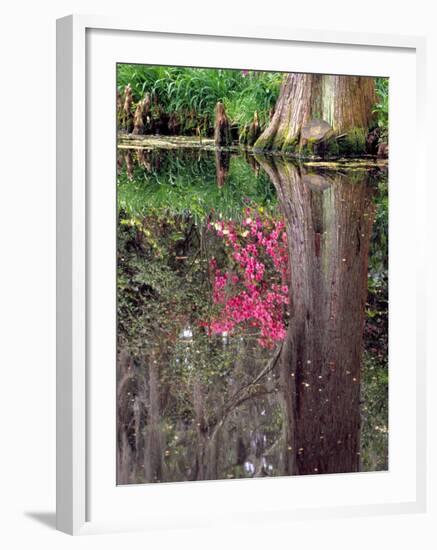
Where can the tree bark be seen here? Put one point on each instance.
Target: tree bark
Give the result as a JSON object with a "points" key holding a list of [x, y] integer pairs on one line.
{"points": [[127, 120], [250, 132], [222, 132], [328, 221], [343, 102], [138, 119]]}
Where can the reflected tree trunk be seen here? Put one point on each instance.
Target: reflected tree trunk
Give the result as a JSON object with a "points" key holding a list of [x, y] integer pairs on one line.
{"points": [[201, 430], [329, 218], [153, 439], [222, 162], [125, 384], [207, 450]]}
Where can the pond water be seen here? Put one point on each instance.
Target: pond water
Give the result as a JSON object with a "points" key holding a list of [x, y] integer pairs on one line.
{"points": [[209, 262]]}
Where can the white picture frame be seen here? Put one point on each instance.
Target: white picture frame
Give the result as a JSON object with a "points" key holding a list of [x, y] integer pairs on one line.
{"points": [[76, 270]]}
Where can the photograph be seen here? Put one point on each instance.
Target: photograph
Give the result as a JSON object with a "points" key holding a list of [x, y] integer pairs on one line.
{"points": [[219, 270], [252, 273]]}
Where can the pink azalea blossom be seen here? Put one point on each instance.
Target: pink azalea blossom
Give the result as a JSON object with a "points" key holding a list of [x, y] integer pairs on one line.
{"points": [[254, 291]]}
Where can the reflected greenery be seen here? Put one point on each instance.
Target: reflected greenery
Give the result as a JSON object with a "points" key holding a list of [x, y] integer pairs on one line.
{"points": [[185, 181]]}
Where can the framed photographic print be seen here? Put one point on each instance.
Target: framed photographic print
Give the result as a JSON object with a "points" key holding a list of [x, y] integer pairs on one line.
{"points": [[238, 335]]}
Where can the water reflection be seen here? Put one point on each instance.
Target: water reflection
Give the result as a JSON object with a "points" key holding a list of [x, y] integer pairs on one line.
{"points": [[193, 404]]}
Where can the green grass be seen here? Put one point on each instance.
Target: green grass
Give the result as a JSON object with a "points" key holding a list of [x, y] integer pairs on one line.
{"points": [[192, 93]]}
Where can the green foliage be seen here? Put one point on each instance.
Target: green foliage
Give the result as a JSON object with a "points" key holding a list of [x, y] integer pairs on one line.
{"points": [[374, 432], [162, 284], [374, 436], [259, 94], [381, 107], [192, 93], [378, 258]]}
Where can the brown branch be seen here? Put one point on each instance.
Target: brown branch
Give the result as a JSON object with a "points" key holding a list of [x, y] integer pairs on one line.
{"points": [[235, 401], [268, 368]]}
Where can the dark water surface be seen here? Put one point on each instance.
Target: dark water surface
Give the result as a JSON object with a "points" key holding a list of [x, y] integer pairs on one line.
{"points": [[197, 402]]}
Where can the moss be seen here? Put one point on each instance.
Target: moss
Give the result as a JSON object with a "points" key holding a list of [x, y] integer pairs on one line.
{"points": [[278, 140], [307, 150], [264, 143], [353, 143], [290, 145], [331, 148]]}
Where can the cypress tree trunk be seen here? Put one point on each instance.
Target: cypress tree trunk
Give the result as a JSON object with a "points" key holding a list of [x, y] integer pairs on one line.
{"points": [[320, 114], [328, 220]]}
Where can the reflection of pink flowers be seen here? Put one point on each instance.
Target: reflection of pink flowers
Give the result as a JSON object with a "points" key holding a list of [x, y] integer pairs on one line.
{"points": [[253, 291], [245, 72]]}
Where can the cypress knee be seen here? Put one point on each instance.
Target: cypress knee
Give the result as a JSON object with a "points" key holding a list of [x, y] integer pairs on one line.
{"points": [[127, 113], [138, 119], [222, 133]]}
